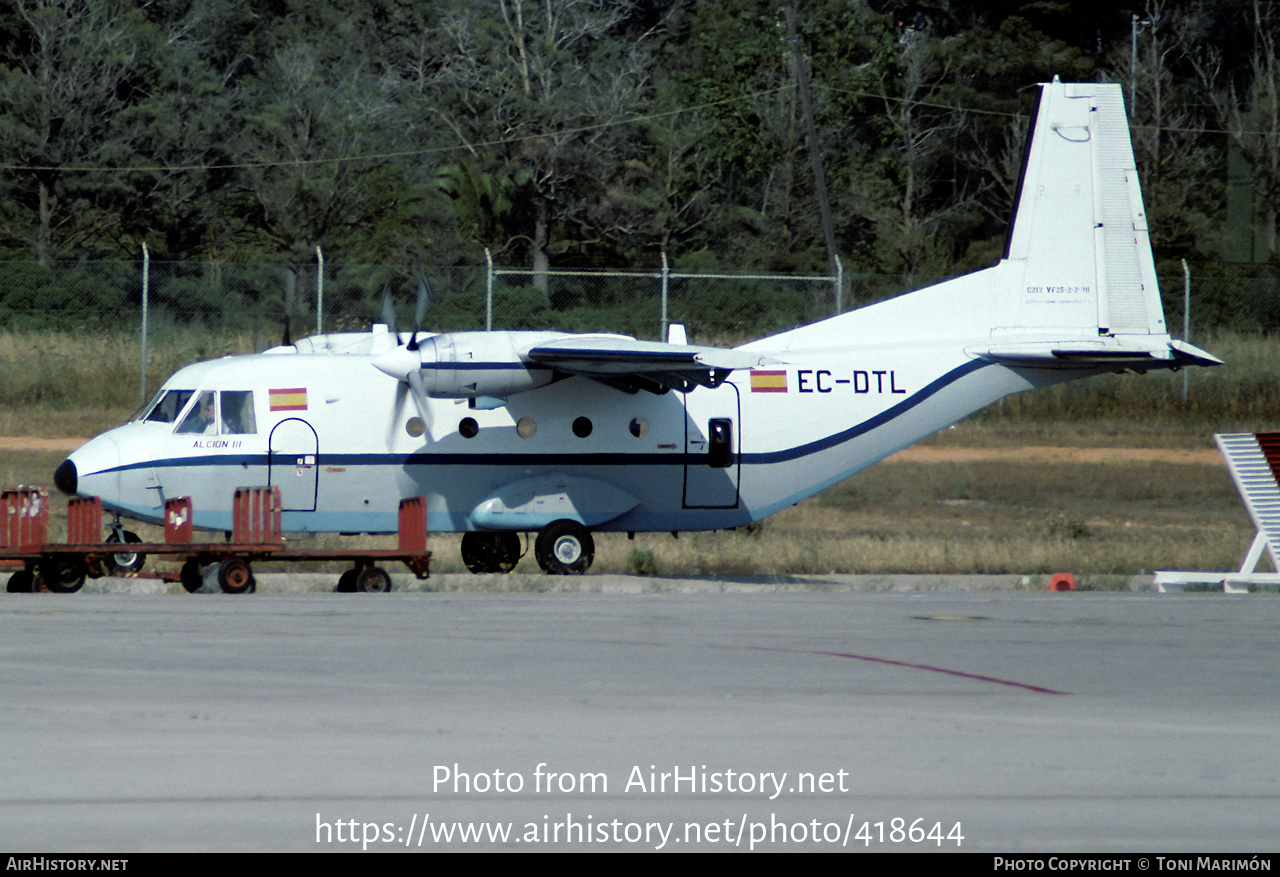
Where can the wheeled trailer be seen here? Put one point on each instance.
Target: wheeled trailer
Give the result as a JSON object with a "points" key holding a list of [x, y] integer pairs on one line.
{"points": [[256, 535]]}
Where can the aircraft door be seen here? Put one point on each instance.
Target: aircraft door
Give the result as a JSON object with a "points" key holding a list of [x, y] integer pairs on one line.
{"points": [[712, 456], [292, 457]]}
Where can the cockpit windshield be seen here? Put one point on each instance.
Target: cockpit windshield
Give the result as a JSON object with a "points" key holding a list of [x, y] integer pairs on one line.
{"points": [[166, 407]]}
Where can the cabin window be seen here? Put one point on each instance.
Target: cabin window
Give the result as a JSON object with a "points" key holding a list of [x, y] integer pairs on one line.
{"points": [[639, 427], [582, 427], [526, 427], [168, 406], [237, 412], [468, 427], [202, 419]]}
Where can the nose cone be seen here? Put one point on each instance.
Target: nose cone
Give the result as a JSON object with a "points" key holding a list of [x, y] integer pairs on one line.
{"points": [[65, 477]]}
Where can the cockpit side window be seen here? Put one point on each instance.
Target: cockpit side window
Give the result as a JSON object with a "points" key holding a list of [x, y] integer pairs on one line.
{"points": [[202, 419], [167, 406], [237, 412]]}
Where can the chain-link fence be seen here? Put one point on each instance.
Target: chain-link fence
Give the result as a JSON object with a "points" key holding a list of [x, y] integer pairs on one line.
{"points": [[104, 296]]}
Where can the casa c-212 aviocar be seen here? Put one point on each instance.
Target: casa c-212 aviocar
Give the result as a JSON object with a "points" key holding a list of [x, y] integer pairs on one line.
{"points": [[559, 435]]}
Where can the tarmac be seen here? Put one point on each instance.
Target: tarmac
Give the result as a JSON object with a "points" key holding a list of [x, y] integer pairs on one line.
{"points": [[886, 714]]}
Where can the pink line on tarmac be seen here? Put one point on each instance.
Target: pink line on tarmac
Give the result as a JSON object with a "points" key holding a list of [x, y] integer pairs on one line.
{"points": [[871, 660]]}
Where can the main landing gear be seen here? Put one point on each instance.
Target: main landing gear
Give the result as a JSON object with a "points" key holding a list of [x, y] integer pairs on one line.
{"points": [[489, 552], [562, 548]]}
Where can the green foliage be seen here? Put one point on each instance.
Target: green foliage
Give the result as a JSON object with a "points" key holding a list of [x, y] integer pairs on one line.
{"points": [[641, 562]]}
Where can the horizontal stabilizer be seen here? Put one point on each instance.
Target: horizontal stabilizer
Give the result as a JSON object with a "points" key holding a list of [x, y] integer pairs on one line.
{"points": [[1097, 354]]}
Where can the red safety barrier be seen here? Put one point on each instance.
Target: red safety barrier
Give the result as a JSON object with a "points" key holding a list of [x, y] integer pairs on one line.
{"points": [[26, 518], [413, 524], [255, 517], [84, 520], [1061, 581], [177, 520]]}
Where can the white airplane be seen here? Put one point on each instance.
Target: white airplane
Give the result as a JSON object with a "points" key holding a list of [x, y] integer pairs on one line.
{"points": [[561, 435]]}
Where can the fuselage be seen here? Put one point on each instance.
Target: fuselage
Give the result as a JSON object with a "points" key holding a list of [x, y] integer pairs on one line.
{"points": [[344, 443]]}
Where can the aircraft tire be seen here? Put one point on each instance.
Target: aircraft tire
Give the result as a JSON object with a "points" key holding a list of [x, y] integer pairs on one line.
{"points": [[21, 582], [235, 576], [346, 583], [564, 548], [191, 576], [63, 575], [373, 580], [125, 561], [491, 552]]}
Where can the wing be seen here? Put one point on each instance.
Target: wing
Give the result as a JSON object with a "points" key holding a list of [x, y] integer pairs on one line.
{"points": [[642, 365]]}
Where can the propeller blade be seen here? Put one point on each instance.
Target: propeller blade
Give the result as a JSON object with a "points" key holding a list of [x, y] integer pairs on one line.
{"points": [[419, 390], [389, 312], [420, 311], [402, 393]]}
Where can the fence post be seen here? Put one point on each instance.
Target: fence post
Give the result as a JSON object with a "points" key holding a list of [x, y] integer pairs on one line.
{"points": [[146, 282], [839, 286], [1186, 328], [666, 276], [488, 290], [319, 290]]}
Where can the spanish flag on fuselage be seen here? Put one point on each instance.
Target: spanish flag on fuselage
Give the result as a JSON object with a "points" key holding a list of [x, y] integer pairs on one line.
{"points": [[769, 381], [294, 399]]}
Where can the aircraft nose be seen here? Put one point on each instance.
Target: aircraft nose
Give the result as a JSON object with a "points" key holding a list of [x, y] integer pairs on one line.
{"points": [[65, 477]]}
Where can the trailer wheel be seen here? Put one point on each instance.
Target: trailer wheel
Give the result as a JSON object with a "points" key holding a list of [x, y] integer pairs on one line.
{"points": [[191, 576], [125, 561], [564, 548], [63, 575], [373, 580], [21, 582], [346, 582], [235, 577]]}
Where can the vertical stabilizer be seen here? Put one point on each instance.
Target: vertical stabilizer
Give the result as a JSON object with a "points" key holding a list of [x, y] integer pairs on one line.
{"points": [[1078, 256]]}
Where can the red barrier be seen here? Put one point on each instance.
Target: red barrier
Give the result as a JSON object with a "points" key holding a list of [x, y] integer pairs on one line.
{"points": [[84, 520], [26, 518], [255, 516], [413, 524], [177, 520]]}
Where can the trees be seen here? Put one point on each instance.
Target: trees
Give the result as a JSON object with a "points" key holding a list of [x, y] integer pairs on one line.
{"points": [[63, 87], [538, 93]]}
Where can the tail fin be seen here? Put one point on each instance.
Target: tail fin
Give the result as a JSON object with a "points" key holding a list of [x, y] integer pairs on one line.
{"points": [[1079, 232], [1077, 259], [1076, 288]]}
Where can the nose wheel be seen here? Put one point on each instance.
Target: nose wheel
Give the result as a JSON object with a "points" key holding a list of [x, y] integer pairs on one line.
{"points": [[564, 548]]}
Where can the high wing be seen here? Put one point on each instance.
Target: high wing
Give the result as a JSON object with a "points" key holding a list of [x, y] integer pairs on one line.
{"points": [[631, 365]]}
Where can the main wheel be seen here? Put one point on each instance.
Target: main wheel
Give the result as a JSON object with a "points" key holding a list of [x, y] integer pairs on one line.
{"points": [[346, 582], [125, 561], [564, 548], [191, 576], [235, 577], [21, 582], [373, 580], [491, 552]]}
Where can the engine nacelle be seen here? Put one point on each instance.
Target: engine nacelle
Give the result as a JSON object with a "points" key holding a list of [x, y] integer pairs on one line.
{"points": [[463, 365]]}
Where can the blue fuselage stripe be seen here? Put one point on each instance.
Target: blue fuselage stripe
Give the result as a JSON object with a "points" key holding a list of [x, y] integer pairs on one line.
{"points": [[674, 458]]}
